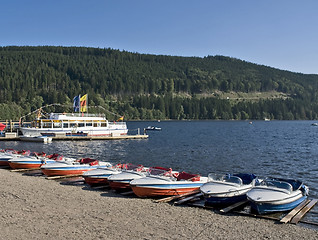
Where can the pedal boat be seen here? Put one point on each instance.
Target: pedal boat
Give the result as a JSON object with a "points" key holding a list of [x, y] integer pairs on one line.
{"points": [[99, 176], [120, 182], [8, 154], [224, 190], [71, 166], [167, 184], [34, 160], [276, 195]]}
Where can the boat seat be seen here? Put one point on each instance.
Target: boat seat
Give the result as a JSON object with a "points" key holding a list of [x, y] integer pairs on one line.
{"points": [[188, 176], [246, 177], [87, 160]]}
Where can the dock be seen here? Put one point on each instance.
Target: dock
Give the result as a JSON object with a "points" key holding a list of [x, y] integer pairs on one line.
{"points": [[15, 137]]}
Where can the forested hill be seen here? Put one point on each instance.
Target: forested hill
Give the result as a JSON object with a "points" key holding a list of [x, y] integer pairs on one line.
{"points": [[143, 86]]}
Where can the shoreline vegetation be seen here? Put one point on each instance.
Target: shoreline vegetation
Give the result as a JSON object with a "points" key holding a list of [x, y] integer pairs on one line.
{"points": [[145, 86], [36, 208]]}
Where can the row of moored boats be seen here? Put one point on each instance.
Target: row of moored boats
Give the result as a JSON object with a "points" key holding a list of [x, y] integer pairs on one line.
{"points": [[220, 190]]}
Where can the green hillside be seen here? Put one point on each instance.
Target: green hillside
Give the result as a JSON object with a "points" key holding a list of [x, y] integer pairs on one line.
{"points": [[143, 86]]}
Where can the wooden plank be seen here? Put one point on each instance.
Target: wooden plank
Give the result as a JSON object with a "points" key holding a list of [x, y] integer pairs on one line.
{"points": [[168, 199], [233, 206], [303, 211], [188, 198], [24, 169], [293, 212], [64, 176]]}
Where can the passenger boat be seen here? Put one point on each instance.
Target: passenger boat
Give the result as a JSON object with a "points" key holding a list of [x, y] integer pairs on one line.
{"points": [[99, 176], [7, 154], [72, 166], [74, 124], [275, 195], [226, 189], [34, 160], [167, 184], [120, 182]]}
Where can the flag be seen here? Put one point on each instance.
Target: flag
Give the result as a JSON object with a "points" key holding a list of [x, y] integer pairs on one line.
{"points": [[76, 103], [84, 103], [120, 119]]}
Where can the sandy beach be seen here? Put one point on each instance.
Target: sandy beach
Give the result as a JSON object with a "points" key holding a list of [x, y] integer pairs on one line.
{"points": [[37, 208]]}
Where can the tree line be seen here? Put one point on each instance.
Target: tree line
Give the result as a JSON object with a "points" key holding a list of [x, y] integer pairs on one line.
{"points": [[145, 86]]}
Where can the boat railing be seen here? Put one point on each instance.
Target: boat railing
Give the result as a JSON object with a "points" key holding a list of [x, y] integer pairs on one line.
{"points": [[117, 123], [226, 178], [80, 114]]}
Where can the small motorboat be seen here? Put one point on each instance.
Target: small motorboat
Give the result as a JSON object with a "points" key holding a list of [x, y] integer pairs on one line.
{"points": [[276, 195], [8, 154], [99, 176], [71, 166], [152, 128], [120, 182], [226, 189], [34, 160], [42, 139], [167, 183]]}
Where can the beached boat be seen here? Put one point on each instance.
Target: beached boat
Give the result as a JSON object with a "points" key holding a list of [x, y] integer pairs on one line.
{"points": [[274, 195], [71, 166], [99, 176], [222, 190], [74, 124], [120, 182], [8, 154], [34, 160], [167, 184]]}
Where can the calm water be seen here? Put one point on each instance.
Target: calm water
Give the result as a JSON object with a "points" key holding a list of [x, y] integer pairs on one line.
{"points": [[276, 148]]}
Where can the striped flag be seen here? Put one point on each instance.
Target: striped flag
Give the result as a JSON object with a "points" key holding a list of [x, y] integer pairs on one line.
{"points": [[76, 103], [84, 103]]}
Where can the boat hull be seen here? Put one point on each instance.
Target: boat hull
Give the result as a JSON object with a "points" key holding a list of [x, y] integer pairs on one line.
{"points": [[99, 176], [122, 180], [17, 165], [96, 181], [264, 208], [156, 192], [4, 162], [153, 186], [119, 185], [221, 194], [64, 172]]}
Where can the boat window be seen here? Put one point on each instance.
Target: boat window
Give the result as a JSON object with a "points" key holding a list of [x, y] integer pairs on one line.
{"points": [[104, 124], [47, 124], [81, 124], [65, 125], [73, 125], [96, 124], [225, 178], [57, 125], [276, 184], [89, 124]]}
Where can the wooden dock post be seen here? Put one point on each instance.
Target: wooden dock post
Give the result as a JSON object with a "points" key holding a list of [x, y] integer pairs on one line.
{"points": [[293, 212], [303, 211]]}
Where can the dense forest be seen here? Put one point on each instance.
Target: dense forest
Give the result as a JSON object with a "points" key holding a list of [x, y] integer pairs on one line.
{"points": [[144, 86]]}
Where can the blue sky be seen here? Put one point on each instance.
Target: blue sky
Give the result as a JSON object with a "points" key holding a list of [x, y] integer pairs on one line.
{"points": [[277, 33]]}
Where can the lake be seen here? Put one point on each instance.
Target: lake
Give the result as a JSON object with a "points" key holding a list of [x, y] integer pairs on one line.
{"points": [[287, 149]]}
